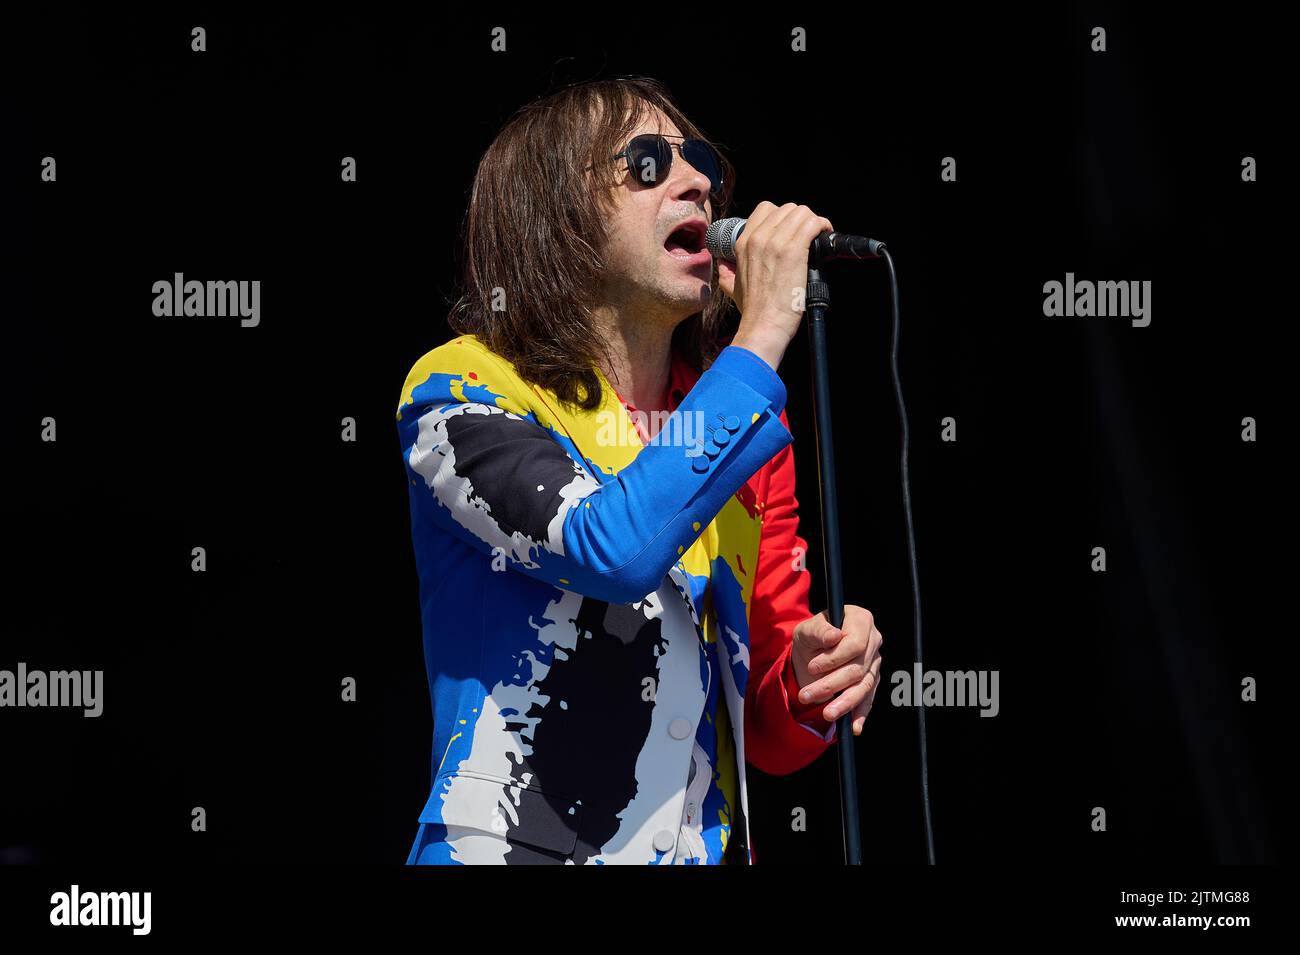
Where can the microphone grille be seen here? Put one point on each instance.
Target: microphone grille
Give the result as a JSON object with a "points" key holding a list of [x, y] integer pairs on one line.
{"points": [[721, 237]]}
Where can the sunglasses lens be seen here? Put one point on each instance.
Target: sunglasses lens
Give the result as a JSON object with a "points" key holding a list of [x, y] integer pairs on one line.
{"points": [[702, 156], [649, 157]]}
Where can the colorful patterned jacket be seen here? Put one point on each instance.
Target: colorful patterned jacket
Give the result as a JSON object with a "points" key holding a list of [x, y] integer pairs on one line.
{"points": [[607, 622]]}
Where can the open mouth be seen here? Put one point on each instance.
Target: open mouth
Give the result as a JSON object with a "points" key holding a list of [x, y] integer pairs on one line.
{"points": [[687, 240]]}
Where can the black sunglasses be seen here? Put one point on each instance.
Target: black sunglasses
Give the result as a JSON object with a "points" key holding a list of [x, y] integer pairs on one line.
{"points": [[650, 157]]}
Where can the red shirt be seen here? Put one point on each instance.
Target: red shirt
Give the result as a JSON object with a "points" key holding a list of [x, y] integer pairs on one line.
{"points": [[778, 729]]}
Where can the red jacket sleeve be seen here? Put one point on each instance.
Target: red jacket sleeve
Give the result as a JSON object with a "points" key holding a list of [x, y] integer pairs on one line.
{"points": [[781, 735]]}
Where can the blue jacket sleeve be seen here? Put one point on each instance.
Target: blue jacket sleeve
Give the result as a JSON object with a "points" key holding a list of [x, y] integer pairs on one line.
{"points": [[505, 486]]}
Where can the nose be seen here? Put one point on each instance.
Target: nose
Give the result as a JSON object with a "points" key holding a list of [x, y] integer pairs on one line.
{"points": [[687, 183]]}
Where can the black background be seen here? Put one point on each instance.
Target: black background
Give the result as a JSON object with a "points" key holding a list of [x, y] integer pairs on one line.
{"points": [[222, 689]]}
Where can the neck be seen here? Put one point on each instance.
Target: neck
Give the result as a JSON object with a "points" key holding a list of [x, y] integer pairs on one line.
{"points": [[641, 360]]}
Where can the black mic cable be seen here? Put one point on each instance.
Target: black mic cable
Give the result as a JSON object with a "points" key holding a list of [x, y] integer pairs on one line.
{"points": [[911, 549]]}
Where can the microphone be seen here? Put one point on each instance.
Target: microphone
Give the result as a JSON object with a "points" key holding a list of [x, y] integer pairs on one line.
{"points": [[722, 235]]}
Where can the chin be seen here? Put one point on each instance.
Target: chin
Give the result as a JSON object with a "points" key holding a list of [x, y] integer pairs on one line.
{"points": [[695, 298]]}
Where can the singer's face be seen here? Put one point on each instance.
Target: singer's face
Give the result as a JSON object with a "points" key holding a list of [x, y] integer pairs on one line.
{"points": [[648, 269]]}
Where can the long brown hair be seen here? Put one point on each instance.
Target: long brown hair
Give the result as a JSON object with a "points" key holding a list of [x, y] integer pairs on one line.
{"points": [[535, 231]]}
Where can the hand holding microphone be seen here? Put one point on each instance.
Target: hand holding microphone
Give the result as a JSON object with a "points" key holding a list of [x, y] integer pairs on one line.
{"points": [[771, 251], [770, 272]]}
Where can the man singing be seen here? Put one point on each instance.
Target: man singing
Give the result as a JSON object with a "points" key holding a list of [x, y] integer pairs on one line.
{"points": [[612, 586]]}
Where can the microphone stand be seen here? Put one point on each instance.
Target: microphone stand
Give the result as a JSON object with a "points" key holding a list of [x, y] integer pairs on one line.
{"points": [[816, 305]]}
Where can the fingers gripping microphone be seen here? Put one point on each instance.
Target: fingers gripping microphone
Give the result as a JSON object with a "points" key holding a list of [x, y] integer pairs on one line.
{"points": [[722, 237]]}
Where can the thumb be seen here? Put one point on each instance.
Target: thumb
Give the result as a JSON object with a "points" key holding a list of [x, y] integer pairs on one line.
{"points": [[818, 634], [727, 279]]}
